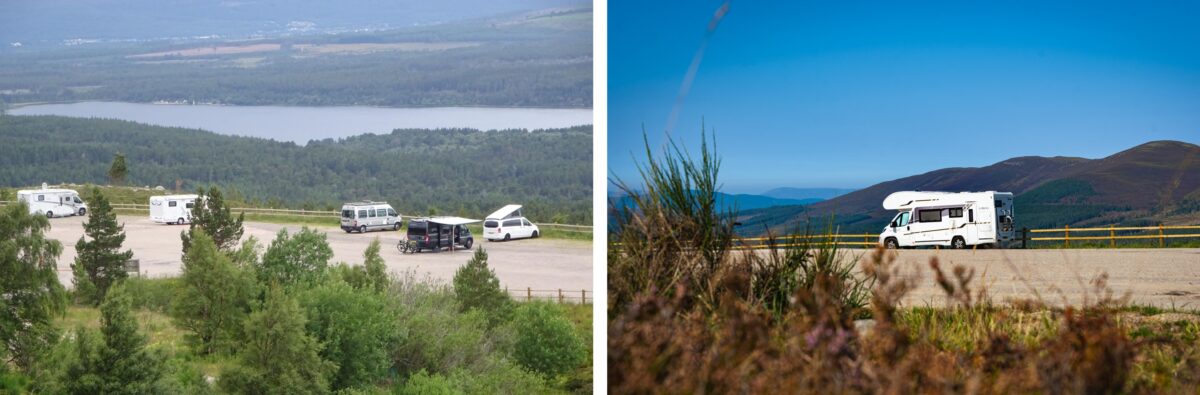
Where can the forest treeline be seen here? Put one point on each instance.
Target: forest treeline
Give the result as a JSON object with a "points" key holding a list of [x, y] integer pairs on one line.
{"points": [[536, 63], [447, 171]]}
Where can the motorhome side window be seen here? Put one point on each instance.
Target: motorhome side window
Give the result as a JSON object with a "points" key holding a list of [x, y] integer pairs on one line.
{"points": [[41, 198], [929, 215], [172, 203], [190, 204], [956, 212]]}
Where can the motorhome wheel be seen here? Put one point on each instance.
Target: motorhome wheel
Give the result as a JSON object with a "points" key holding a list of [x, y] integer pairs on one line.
{"points": [[890, 243], [958, 243], [82, 212]]}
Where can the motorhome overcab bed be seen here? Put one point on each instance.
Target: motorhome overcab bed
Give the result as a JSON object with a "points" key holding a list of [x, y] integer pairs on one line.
{"points": [[949, 219], [53, 202], [172, 209]]}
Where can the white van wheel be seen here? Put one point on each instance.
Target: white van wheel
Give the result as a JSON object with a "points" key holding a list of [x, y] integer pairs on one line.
{"points": [[507, 237], [396, 227], [362, 229], [958, 243], [535, 234], [179, 221], [82, 212], [49, 214]]}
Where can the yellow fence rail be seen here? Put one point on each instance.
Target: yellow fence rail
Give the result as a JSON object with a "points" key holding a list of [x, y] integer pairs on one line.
{"points": [[1159, 232], [1067, 234]]}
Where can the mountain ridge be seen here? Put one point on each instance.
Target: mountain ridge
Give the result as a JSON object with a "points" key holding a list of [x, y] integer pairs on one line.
{"points": [[1149, 183]]}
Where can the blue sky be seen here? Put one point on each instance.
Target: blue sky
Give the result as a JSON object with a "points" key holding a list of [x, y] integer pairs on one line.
{"points": [[851, 93]]}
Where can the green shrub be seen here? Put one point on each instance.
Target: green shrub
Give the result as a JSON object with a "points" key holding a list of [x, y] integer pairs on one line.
{"points": [[154, 294], [435, 336], [277, 356], [477, 287], [290, 260], [357, 328], [545, 339], [423, 383]]}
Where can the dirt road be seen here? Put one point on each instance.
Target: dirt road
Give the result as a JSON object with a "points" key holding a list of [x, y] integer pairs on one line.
{"points": [[537, 263], [1160, 277]]}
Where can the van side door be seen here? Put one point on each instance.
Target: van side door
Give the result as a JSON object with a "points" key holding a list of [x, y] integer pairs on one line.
{"points": [[928, 227]]}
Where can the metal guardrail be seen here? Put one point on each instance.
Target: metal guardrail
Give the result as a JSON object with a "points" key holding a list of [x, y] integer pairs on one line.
{"points": [[318, 214]]}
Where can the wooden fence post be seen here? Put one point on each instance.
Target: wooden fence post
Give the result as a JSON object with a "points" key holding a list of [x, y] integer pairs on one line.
{"points": [[1024, 238], [583, 297], [1112, 236], [1162, 240], [528, 294], [1067, 236], [560, 299]]}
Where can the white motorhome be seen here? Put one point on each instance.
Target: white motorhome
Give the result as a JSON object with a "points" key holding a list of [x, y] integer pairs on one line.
{"points": [[172, 209], [950, 219], [53, 202], [364, 216], [508, 223]]}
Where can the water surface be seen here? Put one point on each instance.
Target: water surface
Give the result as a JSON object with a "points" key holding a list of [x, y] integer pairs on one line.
{"points": [[301, 124]]}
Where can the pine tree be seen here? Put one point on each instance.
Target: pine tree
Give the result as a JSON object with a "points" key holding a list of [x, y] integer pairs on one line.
{"points": [[99, 262], [214, 297], [376, 270], [30, 294], [118, 170], [118, 362], [277, 356], [477, 287], [216, 219]]}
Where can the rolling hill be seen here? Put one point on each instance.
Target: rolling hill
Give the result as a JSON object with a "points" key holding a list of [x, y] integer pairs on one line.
{"points": [[1154, 182]]}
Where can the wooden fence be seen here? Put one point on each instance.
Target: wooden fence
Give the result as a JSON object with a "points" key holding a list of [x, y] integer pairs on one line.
{"points": [[551, 295], [318, 214]]}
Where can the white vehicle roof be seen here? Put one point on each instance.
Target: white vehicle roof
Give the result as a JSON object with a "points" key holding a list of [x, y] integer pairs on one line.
{"points": [[46, 191], [908, 199], [450, 220], [357, 204], [504, 211], [174, 197]]}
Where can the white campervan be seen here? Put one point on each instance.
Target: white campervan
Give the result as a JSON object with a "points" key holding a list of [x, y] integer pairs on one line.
{"points": [[172, 209], [364, 216], [507, 223], [951, 219], [53, 202]]}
